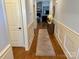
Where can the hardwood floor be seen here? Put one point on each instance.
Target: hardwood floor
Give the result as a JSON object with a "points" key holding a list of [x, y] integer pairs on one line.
{"points": [[20, 53]]}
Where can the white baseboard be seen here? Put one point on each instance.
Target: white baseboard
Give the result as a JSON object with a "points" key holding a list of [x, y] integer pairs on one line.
{"points": [[6, 53]]}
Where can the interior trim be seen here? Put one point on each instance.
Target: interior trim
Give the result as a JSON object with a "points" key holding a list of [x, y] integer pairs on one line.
{"points": [[4, 50], [65, 50], [67, 27]]}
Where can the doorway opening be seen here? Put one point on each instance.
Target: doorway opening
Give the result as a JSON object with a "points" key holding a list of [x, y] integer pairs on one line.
{"points": [[42, 11]]}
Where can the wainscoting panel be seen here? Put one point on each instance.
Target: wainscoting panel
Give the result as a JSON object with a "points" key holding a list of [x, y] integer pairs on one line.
{"points": [[68, 40], [7, 53], [31, 28], [77, 57], [61, 34]]}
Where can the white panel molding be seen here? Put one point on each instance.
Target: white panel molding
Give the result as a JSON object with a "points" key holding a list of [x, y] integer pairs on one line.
{"points": [[72, 55], [66, 27], [77, 57], [4, 50], [59, 36], [64, 50], [7, 52], [63, 46]]}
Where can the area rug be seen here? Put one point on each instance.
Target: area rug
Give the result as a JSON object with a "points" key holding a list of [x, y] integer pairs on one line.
{"points": [[44, 45]]}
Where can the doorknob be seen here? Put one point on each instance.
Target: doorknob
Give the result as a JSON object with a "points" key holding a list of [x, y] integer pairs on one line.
{"points": [[19, 28]]}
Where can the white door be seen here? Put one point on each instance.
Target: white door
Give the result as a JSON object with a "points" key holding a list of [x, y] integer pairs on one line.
{"points": [[15, 24]]}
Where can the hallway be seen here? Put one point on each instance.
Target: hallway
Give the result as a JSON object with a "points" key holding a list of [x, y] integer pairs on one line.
{"points": [[33, 53], [22, 38]]}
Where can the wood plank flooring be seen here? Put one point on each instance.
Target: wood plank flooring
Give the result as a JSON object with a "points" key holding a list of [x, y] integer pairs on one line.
{"points": [[20, 53]]}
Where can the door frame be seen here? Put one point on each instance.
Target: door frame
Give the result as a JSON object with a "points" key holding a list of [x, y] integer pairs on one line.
{"points": [[24, 19], [35, 4]]}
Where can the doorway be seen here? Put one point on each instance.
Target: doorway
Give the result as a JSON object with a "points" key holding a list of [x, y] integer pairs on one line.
{"points": [[42, 11], [15, 23]]}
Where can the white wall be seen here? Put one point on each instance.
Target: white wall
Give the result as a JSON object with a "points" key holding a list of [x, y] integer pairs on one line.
{"points": [[35, 12], [51, 7], [67, 26], [3, 29], [5, 48], [29, 8], [31, 23], [67, 11]]}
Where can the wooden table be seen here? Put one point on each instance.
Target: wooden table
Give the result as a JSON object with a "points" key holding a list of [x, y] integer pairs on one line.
{"points": [[50, 28]]}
